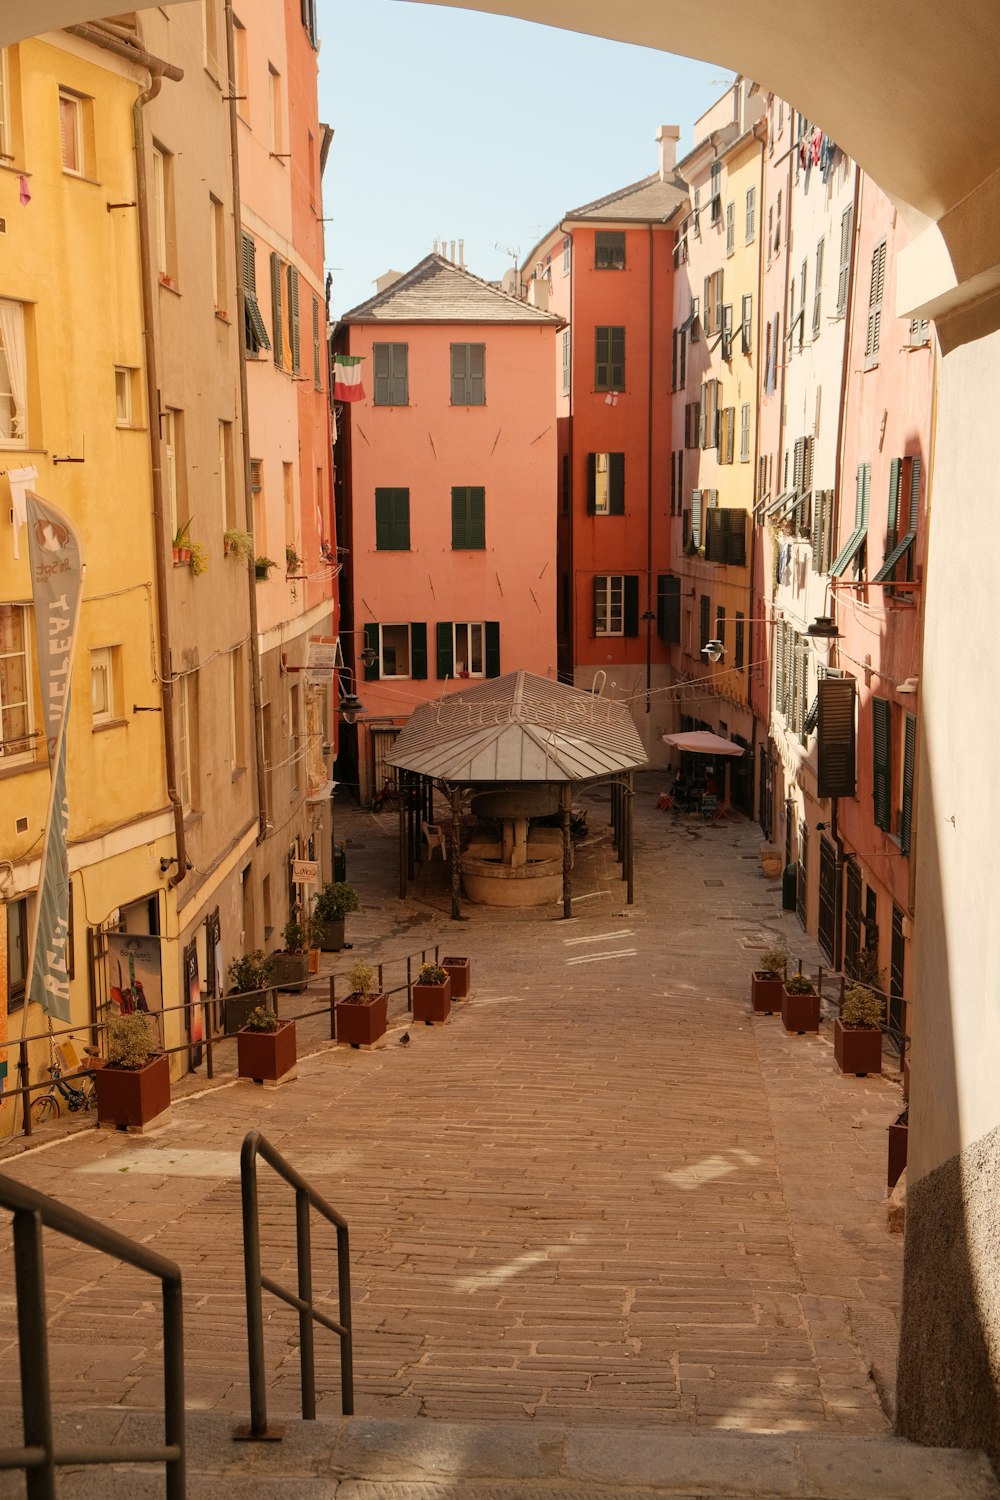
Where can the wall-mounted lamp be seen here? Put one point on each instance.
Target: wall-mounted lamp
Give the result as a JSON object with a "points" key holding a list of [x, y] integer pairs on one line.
{"points": [[368, 655], [351, 708], [824, 628], [909, 686], [714, 650], [822, 827]]}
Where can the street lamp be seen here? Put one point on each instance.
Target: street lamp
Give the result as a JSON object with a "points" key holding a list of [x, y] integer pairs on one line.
{"points": [[714, 650]]}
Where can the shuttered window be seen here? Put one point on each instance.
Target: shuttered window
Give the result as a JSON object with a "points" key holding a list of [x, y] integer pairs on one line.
{"points": [[463, 650], [673, 360], [400, 650], [738, 654], [668, 608], [901, 548], [822, 531], [909, 774], [750, 227], [609, 358], [835, 737], [882, 762], [609, 250], [818, 290], [392, 520], [746, 323], [875, 295], [696, 517], [851, 547], [468, 517], [606, 484], [391, 373], [745, 433], [730, 228], [468, 374], [254, 332], [725, 536], [567, 368], [616, 604], [317, 360], [277, 326], [844, 276], [692, 424]]}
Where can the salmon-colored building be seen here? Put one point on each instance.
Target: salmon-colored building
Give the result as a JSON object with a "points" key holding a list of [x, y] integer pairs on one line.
{"points": [[448, 474], [607, 270]]}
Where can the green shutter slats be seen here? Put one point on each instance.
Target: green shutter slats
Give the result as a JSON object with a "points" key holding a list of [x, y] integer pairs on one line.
{"points": [[468, 517], [372, 644], [418, 649], [843, 280], [835, 737], [630, 599], [696, 517], [445, 649], [857, 536], [616, 484], [293, 319], [909, 772], [276, 327], [906, 541], [492, 648], [381, 373], [591, 484], [477, 374], [468, 374], [255, 333], [392, 520], [317, 362], [881, 762], [668, 608]]}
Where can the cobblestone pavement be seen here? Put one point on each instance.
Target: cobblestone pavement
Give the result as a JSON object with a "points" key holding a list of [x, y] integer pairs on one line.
{"points": [[604, 1192]]}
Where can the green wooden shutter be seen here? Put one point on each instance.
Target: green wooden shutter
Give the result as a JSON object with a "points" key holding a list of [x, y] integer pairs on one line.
{"points": [[602, 340], [595, 590], [317, 363], [392, 520], [492, 648], [459, 373], [616, 484], [909, 771], [835, 737], [276, 327], [459, 516], [477, 375], [418, 649], [881, 762], [591, 484], [445, 649], [381, 372], [736, 542], [630, 596], [696, 517], [477, 517], [892, 521], [399, 387], [668, 607], [293, 319], [843, 280], [371, 644], [383, 520]]}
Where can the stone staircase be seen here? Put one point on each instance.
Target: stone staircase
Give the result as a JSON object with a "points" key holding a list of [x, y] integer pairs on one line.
{"points": [[356, 1458]]}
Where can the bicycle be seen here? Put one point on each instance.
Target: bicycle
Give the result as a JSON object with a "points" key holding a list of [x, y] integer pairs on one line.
{"points": [[386, 794], [77, 1096]]}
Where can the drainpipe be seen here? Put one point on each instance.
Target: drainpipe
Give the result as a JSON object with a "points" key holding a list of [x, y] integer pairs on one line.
{"points": [[158, 70], [234, 152], [751, 610], [649, 490]]}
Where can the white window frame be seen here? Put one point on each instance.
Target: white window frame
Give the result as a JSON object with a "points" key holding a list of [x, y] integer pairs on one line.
{"points": [[216, 221], [613, 604], [395, 676], [11, 756], [468, 652], [123, 396], [159, 184], [67, 97], [275, 118], [102, 664], [602, 505], [169, 439], [14, 438], [6, 154], [567, 366]]}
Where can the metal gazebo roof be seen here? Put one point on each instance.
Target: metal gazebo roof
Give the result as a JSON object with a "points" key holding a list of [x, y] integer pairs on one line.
{"points": [[518, 728]]}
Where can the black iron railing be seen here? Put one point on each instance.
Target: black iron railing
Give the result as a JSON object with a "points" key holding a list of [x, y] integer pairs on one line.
{"points": [[39, 1457], [306, 1198]]}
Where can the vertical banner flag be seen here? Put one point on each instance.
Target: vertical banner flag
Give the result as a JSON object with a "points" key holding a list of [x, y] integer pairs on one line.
{"points": [[55, 553], [347, 377]]}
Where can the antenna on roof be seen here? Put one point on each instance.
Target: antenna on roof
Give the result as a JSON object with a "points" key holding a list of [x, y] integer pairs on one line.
{"points": [[514, 251]]}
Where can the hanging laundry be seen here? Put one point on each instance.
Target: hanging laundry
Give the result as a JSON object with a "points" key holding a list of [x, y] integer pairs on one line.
{"points": [[20, 480], [817, 142], [611, 399], [24, 192]]}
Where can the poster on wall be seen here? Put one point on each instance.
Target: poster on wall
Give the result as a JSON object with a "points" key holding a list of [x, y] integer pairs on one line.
{"points": [[213, 925], [136, 981], [195, 1009]]}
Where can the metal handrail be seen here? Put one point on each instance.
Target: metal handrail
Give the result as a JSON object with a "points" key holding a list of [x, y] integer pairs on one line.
{"points": [[306, 1197], [39, 1458]]}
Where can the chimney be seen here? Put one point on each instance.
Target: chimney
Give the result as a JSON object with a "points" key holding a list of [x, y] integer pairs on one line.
{"points": [[451, 256], [668, 136], [461, 254]]}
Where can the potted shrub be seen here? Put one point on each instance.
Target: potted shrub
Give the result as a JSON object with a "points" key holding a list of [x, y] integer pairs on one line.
{"points": [[237, 543], [857, 1032], [459, 971], [765, 982], [290, 965], [432, 996], [262, 566], [799, 1005], [334, 901], [293, 562], [361, 1015], [265, 1048], [249, 986], [182, 543], [133, 1086], [198, 560]]}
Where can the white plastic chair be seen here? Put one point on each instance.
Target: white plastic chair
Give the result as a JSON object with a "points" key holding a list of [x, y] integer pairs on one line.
{"points": [[435, 838]]}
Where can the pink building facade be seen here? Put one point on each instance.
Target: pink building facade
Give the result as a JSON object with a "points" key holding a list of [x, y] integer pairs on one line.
{"points": [[447, 469]]}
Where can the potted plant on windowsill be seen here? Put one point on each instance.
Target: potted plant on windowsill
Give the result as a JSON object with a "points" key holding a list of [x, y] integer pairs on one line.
{"points": [[293, 562], [249, 986], [237, 543], [133, 1086], [432, 996], [799, 1005], [290, 965], [182, 543], [765, 982], [198, 561], [459, 971], [262, 566], [265, 1048], [361, 1015], [857, 1032], [332, 904]]}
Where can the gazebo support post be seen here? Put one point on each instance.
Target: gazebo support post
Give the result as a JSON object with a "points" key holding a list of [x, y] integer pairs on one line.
{"points": [[456, 854], [403, 853], [629, 870], [566, 798]]}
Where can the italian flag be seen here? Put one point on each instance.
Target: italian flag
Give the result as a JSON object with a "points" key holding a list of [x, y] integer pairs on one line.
{"points": [[347, 377]]}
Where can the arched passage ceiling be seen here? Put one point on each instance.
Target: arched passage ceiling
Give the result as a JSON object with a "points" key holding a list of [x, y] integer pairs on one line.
{"points": [[907, 87]]}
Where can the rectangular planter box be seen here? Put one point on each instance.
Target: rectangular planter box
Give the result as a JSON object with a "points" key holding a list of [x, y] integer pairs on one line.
{"points": [[459, 971], [898, 1139], [765, 992], [290, 971], [432, 1003], [236, 1008], [133, 1098], [267, 1056], [360, 1023], [857, 1049], [799, 1013], [331, 935]]}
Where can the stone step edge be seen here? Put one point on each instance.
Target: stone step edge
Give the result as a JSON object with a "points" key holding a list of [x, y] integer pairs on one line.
{"points": [[549, 1459]]}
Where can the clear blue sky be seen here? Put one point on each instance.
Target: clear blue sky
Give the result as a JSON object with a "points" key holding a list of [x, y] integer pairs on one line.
{"points": [[456, 125]]}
